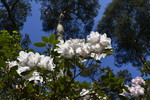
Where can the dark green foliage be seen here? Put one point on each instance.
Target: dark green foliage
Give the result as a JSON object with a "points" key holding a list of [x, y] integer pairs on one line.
{"points": [[125, 74], [110, 84], [9, 48], [9, 45], [127, 22], [78, 16], [13, 13], [25, 42]]}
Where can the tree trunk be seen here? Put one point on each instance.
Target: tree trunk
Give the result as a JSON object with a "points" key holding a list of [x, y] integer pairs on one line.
{"points": [[60, 28]]}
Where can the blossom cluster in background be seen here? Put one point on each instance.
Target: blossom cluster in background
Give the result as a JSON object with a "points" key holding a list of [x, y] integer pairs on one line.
{"points": [[94, 46], [28, 61], [88, 95], [136, 89]]}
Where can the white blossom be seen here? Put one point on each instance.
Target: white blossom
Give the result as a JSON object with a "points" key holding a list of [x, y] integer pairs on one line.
{"points": [[36, 77], [106, 42], [138, 80], [96, 43], [65, 50], [50, 65], [98, 56], [43, 61], [35, 60], [32, 59], [12, 64], [84, 92], [135, 88], [97, 48], [88, 95], [124, 93], [22, 57], [22, 69], [28, 61], [94, 37], [83, 50]]}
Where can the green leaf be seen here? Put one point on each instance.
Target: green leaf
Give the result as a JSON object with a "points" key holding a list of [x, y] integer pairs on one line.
{"points": [[44, 39], [98, 61], [121, 81], [126, 89], [27, 72], [13, 69], [31, 50], [69, 73], [55, 42], [30, 88], [52, 38], [81, 66], [40, 44], [15, 32], [86, 84], [50, 93], [2, 63], [111, 74], [69, 65]]}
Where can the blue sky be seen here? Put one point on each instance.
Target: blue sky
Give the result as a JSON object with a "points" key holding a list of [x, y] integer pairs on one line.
{"points": [[33, 27]]}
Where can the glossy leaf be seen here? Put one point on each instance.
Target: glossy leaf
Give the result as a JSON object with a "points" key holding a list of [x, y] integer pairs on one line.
{"points": [[44, 39], [40, 44]]}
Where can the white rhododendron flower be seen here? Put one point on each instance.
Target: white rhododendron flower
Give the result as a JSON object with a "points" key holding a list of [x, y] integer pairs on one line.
{"points": [[106, 42], [65, 50], [135, 89], [83, 50], [22, 69], [43, 61], [12, 64], [94, 37], [124, 93], [96, 43], [138, 80], [97, 48], [84, 92], [36, 77], [22, 57], [33, 59], [28, 61], [50, 65], [98, 56]]}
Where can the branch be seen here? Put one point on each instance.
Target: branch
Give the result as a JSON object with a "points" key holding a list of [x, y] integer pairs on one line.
{"points": [[14, 4], [9, 13], [141, 57]]}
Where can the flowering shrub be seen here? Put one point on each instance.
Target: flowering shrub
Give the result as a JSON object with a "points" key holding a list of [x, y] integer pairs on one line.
{"points": [[135, 89], [94, 46], [29, 61], [53, 74]]}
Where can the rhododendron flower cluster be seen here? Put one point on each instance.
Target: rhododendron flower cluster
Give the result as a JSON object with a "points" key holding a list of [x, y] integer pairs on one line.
{"points": [[138, 81], [136, 89], [94, 46], [28, 61], [86, 94], [32, 60]]}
